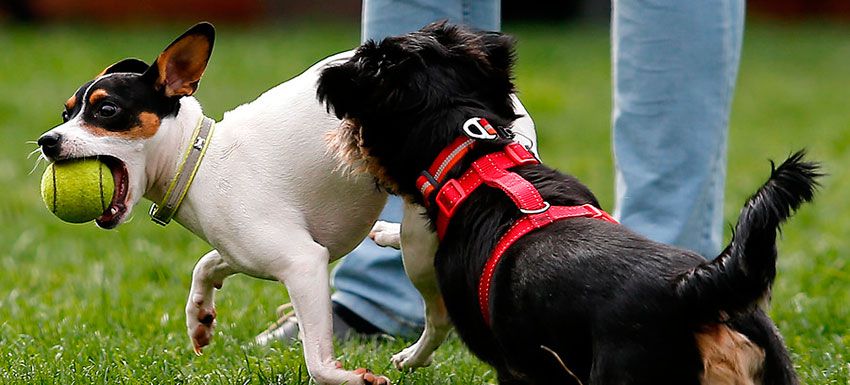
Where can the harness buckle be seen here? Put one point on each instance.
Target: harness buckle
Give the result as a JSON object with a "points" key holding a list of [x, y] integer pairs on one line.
{"points": [[597, 213], [479, 128], [519, 154], [450, 193], [505, 132]]}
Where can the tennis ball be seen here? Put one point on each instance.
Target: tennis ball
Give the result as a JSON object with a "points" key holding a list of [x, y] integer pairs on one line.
{"points": [[78, 190]]}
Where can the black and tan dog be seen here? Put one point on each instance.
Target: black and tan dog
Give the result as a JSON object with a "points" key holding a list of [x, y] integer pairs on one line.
{"points": [[581, 301]]}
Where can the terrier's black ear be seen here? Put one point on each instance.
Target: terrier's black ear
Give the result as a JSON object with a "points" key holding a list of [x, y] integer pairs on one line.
{"points": [[178, 69], [130, 65], [337, 89], [500, 50]]}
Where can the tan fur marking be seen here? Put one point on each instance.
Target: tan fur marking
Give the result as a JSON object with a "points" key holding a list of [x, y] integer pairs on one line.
{"points": [[96, 95], [729, 357], [71, 102], [346, 144], [148, 126], [182, 64]]}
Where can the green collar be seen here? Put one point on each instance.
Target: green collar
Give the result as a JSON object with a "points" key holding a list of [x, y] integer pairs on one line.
{"points": [[162, 214]]}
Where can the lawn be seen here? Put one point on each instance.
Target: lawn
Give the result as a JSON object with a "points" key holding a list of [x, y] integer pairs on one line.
{"points": [[81, 305]]}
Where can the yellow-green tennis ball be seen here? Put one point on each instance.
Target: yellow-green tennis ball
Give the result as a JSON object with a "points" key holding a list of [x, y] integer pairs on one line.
{"points": [[78, 190]]}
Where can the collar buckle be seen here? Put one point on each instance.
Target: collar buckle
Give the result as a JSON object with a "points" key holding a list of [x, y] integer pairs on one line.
{"points": [[154, 217]]}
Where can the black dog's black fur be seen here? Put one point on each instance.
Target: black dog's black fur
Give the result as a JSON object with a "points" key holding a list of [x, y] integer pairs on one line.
{"points": [[616, 307]]}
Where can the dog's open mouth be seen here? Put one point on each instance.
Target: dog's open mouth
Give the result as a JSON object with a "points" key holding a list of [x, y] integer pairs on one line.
{"points": [[118, 206]]}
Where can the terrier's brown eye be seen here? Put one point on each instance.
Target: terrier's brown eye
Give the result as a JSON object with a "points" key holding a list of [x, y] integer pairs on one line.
{"points": [[107, 110], [65, 116]]}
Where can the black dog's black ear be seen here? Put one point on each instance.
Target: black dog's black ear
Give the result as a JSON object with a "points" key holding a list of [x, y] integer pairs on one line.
{"points": [[498, 47], [130, 65], [500, 50], [178, 69], [439, 28], [336, 88]]}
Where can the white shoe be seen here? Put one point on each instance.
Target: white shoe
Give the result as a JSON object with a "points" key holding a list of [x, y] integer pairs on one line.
{"points": [[284, 329]]}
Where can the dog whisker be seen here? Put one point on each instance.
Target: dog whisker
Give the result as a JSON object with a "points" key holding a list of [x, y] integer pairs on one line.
{"points": [[33, 152], [37, 163], [31, 142]]}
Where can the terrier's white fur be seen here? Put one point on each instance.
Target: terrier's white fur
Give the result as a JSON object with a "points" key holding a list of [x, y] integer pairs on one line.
{"points": [[276, 205]]}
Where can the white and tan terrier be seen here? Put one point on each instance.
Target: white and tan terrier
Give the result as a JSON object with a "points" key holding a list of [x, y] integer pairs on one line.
{"points": [[268, 195]]}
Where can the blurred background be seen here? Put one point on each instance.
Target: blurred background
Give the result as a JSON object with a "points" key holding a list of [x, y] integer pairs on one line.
{"points": [[250, 11], [80, 304]]}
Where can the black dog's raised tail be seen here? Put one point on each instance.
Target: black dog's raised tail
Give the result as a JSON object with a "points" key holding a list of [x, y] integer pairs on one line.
{"points": [[743, 273]]}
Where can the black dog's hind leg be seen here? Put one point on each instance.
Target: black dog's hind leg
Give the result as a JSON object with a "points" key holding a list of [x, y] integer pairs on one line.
{"points": [[778, 368]]}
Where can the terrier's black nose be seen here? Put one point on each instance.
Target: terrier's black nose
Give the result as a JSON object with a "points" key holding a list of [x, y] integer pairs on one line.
{"points": [[49, 143]]}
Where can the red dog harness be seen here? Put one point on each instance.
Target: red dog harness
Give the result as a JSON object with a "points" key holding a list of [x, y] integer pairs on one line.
{"points": [[492, 170]]}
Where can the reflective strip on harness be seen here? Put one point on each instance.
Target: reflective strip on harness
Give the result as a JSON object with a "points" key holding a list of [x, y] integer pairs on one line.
{"points": [[430, 180]]}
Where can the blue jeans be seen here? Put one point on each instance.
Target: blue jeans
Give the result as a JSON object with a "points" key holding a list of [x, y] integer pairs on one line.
{"points": [[370, 281], [382, 18], [675, 64]]}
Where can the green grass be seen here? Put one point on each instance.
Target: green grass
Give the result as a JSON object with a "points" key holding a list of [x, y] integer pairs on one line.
{"points": [[78, 304]]}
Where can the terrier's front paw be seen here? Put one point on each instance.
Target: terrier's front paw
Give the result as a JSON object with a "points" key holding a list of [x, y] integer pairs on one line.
{"points": [[200, 321], [370, 378], [386, 234], [410, 358]]}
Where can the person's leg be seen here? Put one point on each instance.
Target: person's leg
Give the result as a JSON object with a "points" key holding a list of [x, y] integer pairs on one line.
{"points": [[675, 64], [382, 18], [370, 281]]}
